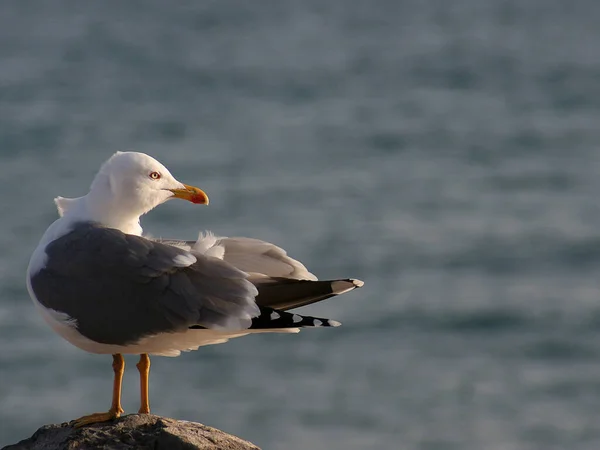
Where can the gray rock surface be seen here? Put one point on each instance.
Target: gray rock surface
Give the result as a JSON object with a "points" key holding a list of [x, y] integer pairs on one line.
{"points": [[135, 431]]}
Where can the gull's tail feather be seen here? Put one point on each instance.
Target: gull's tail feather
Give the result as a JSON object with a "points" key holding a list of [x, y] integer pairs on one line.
{"points": [[284, 293], [271, 318]]}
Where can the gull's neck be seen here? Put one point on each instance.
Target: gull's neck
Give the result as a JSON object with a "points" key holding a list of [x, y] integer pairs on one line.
{"points": [[95, 208]]}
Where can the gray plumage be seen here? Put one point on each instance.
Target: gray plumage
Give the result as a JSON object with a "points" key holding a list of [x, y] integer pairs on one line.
{"points": [[253, 255], [250, 255], [283, 283], [120, 288]]}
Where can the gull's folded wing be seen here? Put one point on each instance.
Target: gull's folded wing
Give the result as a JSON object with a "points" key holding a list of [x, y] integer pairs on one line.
{"points": [[118, 288], [283, 283]]}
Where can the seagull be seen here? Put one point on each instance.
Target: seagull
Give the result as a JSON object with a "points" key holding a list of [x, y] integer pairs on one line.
{"points": [[107, 289]]}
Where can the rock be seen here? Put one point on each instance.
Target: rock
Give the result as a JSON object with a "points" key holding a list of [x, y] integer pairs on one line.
{"points": [[135, 431]]}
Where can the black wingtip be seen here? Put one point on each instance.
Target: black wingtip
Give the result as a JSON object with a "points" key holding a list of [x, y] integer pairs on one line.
{"points": [[271, 318]]}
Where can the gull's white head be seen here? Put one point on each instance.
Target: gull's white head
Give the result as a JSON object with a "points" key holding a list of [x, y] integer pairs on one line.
{"points": [[127, 186]]}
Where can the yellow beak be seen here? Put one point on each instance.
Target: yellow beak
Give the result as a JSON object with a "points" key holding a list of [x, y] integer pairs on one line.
{"points": [[191, 194]]}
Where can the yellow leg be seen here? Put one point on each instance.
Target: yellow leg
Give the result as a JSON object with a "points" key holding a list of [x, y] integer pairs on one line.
{"points": [[115, 409], [144, 369]]}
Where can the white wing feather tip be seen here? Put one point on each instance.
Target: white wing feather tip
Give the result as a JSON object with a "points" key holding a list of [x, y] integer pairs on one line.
{"points": [[358, 283]]}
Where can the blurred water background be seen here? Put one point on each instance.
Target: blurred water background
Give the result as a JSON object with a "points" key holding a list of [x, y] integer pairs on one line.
{"points": [[447, 153]]}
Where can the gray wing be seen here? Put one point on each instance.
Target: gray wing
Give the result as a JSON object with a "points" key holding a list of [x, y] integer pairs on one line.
{"points": [[283, 283], [120, 288], [256, 256], [249, 255]]}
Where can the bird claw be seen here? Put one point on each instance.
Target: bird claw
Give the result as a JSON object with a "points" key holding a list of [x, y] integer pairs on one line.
{"points": [[97, 418]]}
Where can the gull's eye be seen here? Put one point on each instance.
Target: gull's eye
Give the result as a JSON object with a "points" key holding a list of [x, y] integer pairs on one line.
{"points": [[155, 175]]}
